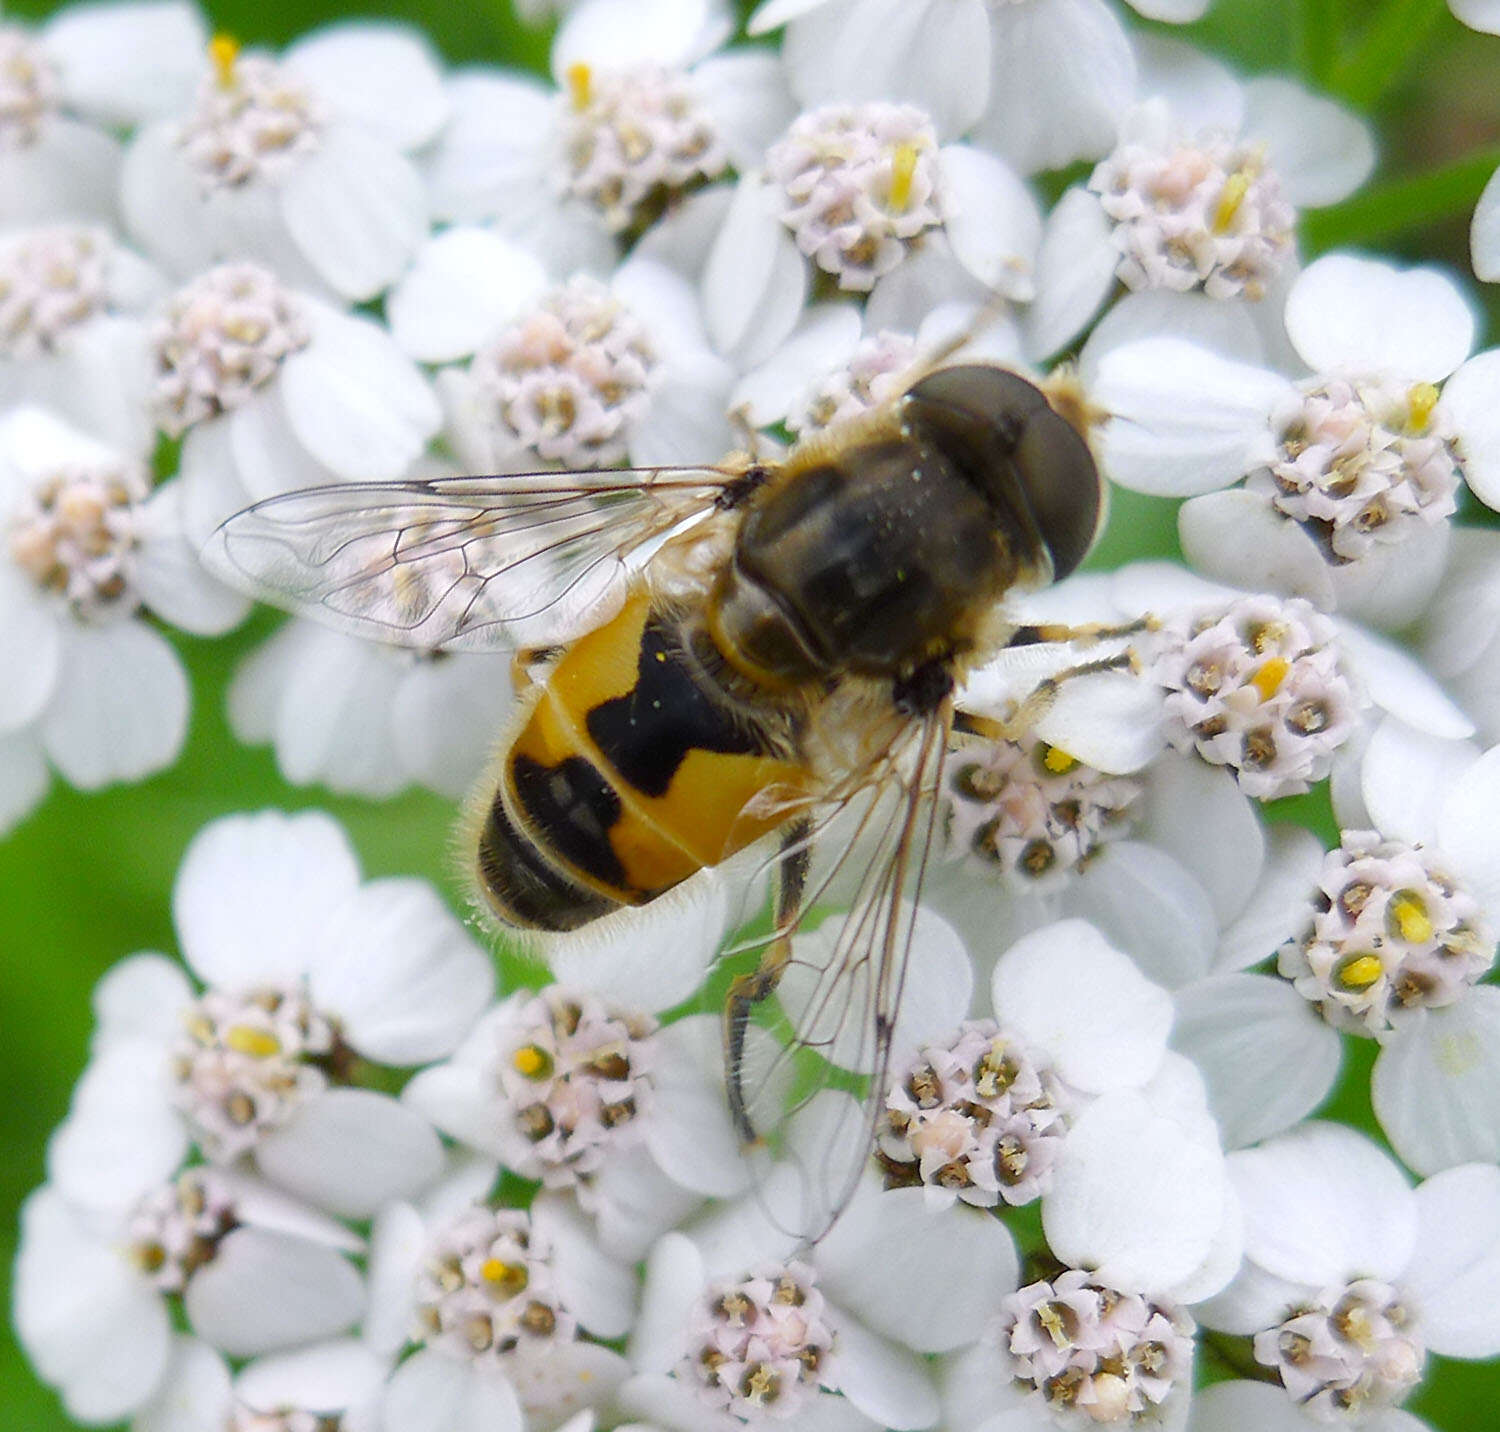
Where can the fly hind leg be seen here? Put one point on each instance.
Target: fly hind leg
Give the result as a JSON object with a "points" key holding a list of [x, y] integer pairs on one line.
{"points": [[749, 990], [1038, 701]]}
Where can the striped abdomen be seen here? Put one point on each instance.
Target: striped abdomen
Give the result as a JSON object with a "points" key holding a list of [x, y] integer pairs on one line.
{"points": [[629, 775]]}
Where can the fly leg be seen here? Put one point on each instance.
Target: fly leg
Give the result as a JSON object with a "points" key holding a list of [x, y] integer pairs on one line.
{"points": [[1091, 632], [749, 990], [1038, 701]]}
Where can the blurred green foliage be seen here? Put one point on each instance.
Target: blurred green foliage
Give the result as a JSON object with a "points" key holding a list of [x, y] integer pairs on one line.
{"points": [[87, 879]]}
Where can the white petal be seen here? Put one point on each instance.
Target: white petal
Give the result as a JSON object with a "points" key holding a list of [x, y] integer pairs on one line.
{"points": [[637, 1203], [171, 579], [773, 14], [31, 650], [993, 223], [600, 1292], [562, 1378], [1238, 538], [1399, 684], [689, 413], [385, 77], [400, 972], [1183, 420], [1075, 271], [495, 151], [352, 1150], [23, 778], [1134, 1196], [211, 485], [122, 1137], [142, 996], [651, 957], [621, 33], [433, 1392], [1147, 905], [398, 1241], [89, 1322], [824, 338], [1199, 816], [934, 55], [120, 707], [1225, 328], [464, 285], [1471, 399], [70, 172], [446, 715], [674, 1281], [1268, 1058], [1391, 586], [690, 1134], [330, 1376], [927, 1280], [1110, 720], [1466, 831], [1350, 312], [356, 402], [1063, 72], [745, 95], [1457, 1260], [194, 1393], [1197, 91], [1083, 1005], [1294, 857], [884, 1381], [123, 64], [1174, 12], [1484, 232], [268, 456], [162, 203], [357, 211], [1246, 1407], [928, 278], [1405, 776], [755, 281], [264, 1291], [1322, 151], [262, 1205], [1296, 1192], [254, 894], [1483, 15], [1436, 1084]]}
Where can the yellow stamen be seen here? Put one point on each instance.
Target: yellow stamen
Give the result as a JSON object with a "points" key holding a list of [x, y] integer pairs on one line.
{"points": [[1411, 918], [580, 80], [1058, 761], [223, 51], [1268, 679], [1359, 972], [1422, 399], [246, 1039], [1230, 199], [509, 1277], [903, 171], [534, 1063]]}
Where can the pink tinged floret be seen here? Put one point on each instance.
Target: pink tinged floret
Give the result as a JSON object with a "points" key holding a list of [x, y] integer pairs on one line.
{"points": [[878, 371], [29, 89], [177, 1227], [222, 336], [1257, 686], [1392, 931], [51, 280], [1350, 1352]]}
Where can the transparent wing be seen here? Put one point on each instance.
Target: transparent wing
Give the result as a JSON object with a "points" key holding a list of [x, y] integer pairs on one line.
{"points": [[810, 1073], [463, 562]]}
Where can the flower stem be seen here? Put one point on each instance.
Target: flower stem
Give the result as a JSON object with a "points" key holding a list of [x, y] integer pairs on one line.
{"points": [[1410, 203], [1318, 35], [1392, 43]]}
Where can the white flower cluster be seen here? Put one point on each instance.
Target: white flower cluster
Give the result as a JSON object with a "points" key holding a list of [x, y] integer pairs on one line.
{"points": [[320, 1177]]}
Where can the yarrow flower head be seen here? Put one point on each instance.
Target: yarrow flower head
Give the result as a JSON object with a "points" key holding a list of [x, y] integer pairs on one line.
{"points": [[575, 1076], [1095, 1354], [633, 138], [222, 336], [1352, 1351], [876, 372], [978, 1117], [1031, 813], [570, 378], [29, 88], [485, 1288], [859, 183], [1393, 931], [756, 1346], [1204, 213], [1362, 461], [1257, 686], [51, 279], [251, 119], [176, 1227]]}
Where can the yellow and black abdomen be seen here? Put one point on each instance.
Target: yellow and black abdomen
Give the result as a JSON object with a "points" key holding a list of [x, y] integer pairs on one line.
{"points": [[629, 775]]}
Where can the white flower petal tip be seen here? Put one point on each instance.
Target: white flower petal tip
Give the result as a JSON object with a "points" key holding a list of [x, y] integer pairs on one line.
{"points": [[1346, 312]]}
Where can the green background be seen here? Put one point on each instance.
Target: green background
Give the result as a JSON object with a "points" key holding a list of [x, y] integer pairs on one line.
{"points": [[87, 878]]}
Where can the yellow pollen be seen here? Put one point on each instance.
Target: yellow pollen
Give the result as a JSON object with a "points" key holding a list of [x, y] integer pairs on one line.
{"points": [[246, 1039], [223, 51], [580, 80], [1268, 679], [1360, 972], [1411, 919], [531, 1061], [1059, 762], [1230, 199], [1422, 399], [903, 170], [510, 1277]]}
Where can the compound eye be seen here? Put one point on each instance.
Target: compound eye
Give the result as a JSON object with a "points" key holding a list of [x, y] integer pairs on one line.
{"points": [[1062, 486]]}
